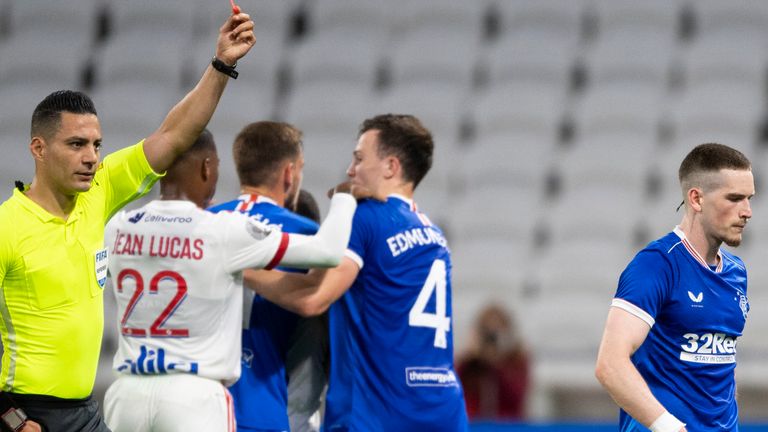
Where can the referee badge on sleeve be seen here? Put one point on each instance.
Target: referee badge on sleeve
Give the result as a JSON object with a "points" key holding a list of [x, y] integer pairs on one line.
{"points": [[101, 265]]}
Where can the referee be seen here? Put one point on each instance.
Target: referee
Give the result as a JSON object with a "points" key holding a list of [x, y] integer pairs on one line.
{"points": [[52, 257]]}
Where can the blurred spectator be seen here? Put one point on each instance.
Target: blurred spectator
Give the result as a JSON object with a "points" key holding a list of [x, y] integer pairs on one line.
{"points": [[495, 369]]}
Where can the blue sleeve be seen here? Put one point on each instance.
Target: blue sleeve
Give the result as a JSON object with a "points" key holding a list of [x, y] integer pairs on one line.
{"points": [[646, 282]]}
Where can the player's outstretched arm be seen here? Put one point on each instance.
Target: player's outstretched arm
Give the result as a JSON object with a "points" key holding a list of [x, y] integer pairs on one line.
{"points": [[325, 248], [624, 333], [189, 117], [304, 294]]}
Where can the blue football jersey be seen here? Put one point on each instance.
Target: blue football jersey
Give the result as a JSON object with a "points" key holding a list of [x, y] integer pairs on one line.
{"points": [[260, 395], [391, 340], [696, 313]]}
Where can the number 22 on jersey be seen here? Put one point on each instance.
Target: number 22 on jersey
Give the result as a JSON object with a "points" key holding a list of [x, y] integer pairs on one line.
{"points": [[155, 330], [418, 317]]}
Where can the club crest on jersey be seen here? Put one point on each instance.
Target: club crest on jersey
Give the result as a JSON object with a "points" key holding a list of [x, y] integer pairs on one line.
{"points": [[257, 229], [744, 305], [696, 298], [247, 358], [101, 260]]}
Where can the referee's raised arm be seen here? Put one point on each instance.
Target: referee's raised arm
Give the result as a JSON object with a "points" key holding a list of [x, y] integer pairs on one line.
{"points": [[189, 117]]}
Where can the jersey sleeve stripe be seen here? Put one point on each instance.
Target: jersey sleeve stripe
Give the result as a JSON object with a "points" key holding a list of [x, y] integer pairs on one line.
{"points": [[280, 252], [354, 257], [634, 310]]}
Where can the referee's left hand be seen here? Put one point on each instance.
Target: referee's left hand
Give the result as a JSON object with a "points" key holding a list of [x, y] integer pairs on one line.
{"points": [[236, 38]]}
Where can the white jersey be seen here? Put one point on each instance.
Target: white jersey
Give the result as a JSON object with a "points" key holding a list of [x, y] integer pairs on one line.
{"points": [[176, 275]]}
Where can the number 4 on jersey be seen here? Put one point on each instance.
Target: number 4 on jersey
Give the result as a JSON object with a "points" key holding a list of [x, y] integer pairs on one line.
{"points": [[417, 317]]}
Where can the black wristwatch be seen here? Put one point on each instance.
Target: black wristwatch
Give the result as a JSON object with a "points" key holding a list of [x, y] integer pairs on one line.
{"points": [[224, 68], [14, 419]]}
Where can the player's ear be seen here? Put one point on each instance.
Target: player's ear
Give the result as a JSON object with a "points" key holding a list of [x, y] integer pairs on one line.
{"points": [[695, 196], [288, 176], [205, 169], [391, 167]]}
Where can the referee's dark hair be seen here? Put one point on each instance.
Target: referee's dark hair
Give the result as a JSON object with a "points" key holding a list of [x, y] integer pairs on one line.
{"points": [[46, 118], [403, 136]]}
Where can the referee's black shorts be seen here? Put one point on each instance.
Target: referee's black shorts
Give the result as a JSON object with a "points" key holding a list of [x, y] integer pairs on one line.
{"points": [[62, 415]]}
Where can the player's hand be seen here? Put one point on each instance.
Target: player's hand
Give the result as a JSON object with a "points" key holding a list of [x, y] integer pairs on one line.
{"points": [[357, 191], [31, 426], [236, 38]]}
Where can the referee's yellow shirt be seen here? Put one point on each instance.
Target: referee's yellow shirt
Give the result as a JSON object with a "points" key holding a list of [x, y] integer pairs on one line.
{"points": [[52, 274]]}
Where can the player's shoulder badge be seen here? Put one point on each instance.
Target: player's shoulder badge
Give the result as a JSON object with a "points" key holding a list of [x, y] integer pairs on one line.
{"points": [[257, 229]]}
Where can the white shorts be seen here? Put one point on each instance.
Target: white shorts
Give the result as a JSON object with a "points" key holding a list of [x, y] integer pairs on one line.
{"points": [[168, 403]]}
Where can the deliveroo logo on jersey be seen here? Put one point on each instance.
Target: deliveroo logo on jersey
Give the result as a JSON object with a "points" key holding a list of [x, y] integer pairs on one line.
{"points": [[135, 218]]}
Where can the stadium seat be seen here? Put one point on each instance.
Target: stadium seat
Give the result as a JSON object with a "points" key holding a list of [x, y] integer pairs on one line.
{"points": [[434, 196], [562, 17], [745, 18], [243, 103], [328, 108], [37, 58], [156, 20], [17, 102], [518, 107], [603, 215], [541, 57], [725, 57], [632, 108], [337, 56], [623, 160], [573, 324], [135, 58], [630, 55], [582, 266], [724, 111], [133, 109], [76, 19], [434, 55], [458, 16], [629, 16], [513, 160], [482, 213], [350, 16]]}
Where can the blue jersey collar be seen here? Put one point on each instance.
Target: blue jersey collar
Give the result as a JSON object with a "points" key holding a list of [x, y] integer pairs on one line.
{"points": [[695, 254]]}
